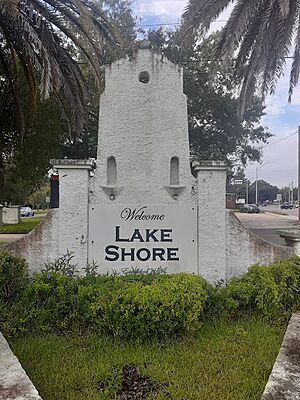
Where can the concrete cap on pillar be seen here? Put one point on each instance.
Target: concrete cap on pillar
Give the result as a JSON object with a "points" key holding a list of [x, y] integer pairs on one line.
{"points": [[73, 163], [212, 165], [290, 235]]}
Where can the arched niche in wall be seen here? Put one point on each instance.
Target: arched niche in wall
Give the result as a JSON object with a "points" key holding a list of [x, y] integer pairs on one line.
{"points": [[174, 187], [111, 187], [174, 171], [111, 171]]}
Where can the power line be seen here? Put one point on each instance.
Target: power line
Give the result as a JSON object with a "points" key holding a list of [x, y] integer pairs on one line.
{"points": [[176, 23], [279, 140]]}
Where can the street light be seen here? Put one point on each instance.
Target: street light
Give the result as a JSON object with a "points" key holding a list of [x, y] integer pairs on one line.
{"points": [[256, 180]]}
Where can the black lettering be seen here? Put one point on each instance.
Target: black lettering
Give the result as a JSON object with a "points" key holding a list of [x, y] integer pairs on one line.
{"points": [[118, 236], [130, 254], [126, 213], [150, 234], [165, 235], [136, 236], [112, 251], [158, 253], [145, 258], [172, 253]]}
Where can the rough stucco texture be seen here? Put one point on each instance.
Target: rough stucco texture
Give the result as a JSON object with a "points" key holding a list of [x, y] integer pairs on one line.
{"points": [[211, 224], [143, 126], [244, 248], [64, 229]]}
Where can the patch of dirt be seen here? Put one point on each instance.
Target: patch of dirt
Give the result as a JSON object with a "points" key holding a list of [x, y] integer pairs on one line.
{"points": [[134, 385]]}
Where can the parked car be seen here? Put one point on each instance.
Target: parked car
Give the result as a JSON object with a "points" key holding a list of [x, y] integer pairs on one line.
{"points": [[26, 212], [250, 209], [286, 206]]}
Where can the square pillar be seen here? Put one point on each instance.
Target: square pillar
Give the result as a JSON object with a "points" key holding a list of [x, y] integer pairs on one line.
{"points": [[211, 177], [292, 239], [74, 176]]}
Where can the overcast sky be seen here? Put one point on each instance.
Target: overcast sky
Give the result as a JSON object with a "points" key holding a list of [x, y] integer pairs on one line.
{"points": [[282, 118]]}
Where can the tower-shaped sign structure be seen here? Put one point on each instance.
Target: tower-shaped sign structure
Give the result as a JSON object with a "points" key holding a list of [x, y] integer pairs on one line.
{"points": [[143, 196]]}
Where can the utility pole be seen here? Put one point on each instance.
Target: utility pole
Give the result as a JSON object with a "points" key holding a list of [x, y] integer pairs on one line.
{"points": [[298, 173], [256, 178], [256, 183], [247, 191]]}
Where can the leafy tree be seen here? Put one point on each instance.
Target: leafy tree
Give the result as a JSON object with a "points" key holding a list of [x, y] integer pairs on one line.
{"points": [[38, 198], [48, 132], [215, 130], [266, 191], [24, 164], [119, 13], [259, 33], [32, 34]]}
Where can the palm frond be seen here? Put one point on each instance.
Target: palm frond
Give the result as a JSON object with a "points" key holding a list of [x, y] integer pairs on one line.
{"points": [[36, 30], [258, 35], [294, 77], [200, 13]]}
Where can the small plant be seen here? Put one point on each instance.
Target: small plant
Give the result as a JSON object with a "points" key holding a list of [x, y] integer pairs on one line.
{"points": [[91, 269], [13, 276], [62, 264]]}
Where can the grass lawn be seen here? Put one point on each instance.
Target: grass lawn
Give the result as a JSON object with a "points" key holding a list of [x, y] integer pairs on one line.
{"points": [[41, 211], [26, 225], [278, 212], [228, 360]]}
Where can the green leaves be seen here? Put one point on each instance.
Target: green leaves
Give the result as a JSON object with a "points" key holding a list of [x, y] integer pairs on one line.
{"points": [[259, 34], [13, 276], [272, 291]]}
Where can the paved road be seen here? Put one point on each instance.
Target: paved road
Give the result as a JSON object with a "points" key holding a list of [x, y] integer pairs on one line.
{"points": [[267, 224], [277, 208]]}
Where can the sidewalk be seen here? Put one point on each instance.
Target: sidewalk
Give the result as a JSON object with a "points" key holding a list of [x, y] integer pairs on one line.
{"points": [[10, 237]]}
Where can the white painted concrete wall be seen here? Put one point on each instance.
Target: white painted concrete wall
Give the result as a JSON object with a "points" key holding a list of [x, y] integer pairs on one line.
{"points": [[64, 229], [211, 221], [244, 248], [73, 212], [143, 126]]}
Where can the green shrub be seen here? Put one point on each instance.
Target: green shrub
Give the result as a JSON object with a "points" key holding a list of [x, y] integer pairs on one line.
{"points": [[141, 306], [51, 301], [168, 305], [129, 306], [13, 276], [272, 291]]}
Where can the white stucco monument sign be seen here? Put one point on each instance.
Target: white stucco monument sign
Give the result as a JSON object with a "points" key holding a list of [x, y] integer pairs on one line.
{"points": [[138, 205]]}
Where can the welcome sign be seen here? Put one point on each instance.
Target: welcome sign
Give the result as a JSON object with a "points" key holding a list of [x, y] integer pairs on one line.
{"points": [[143, 236]]}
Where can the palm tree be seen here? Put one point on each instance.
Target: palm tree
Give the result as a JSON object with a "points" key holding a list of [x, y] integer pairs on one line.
{"points": [[260, 34], [39, 37]]}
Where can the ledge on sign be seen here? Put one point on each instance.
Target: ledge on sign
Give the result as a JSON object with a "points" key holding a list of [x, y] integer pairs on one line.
{"points": [[112, 190], [175, 190]]}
